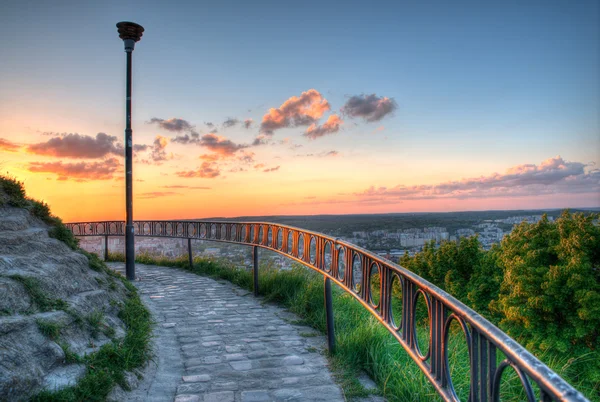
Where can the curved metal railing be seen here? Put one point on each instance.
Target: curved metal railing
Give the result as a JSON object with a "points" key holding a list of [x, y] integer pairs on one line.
{"points": [[370, 280]]}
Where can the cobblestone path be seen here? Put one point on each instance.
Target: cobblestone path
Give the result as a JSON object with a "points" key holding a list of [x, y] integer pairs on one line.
{"points": [[216, 342]]}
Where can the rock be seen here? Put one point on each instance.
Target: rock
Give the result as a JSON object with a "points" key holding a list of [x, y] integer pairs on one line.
{"points": [[15, 299], [64, 376], [366, 381], [39, 273], [131, 381], [116, 395]]}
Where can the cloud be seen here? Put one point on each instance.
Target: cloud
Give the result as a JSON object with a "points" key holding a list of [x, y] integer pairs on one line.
{"points": [[211, 126], [230, 122], [191, 138], [210, 157], [248, 123], [189, 187], [173, 124], [220, 145], [140, 147], [159, 154], [332, 125], [207, 170], [323, 154], [296, 111], [81, 171], [272, 169], [369, 107], [6, 145], [259, 165], [246, 157], [552, 176], [78, 146], [156, 194], [54, 133]]}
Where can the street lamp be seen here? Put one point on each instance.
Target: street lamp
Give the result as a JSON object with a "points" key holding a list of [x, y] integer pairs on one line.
{"points": [[130, 32]]}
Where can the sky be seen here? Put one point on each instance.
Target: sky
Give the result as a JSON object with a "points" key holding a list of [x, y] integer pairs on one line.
{"points": [[247, 108]]}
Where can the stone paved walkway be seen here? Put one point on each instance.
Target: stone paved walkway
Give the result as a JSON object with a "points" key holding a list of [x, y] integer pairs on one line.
{"points": [[216, 342]]}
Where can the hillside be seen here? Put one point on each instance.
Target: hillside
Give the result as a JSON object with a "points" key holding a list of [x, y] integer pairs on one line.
{"points": [[58, 304]]}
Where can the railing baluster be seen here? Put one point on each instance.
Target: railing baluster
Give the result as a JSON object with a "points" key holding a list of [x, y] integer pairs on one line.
{"points": [[329, 316], [191, 258], [490, 369], [255, 268], [106, 248]]}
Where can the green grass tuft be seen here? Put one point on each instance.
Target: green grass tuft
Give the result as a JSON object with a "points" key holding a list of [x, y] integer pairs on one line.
{"points": [[70, 356], [95, 322], [49, 329], [37, 295]]}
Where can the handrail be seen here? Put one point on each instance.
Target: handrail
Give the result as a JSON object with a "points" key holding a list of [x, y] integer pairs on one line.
{"points": [[351, 267]]}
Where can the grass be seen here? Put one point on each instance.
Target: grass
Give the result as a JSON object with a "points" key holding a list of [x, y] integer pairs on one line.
{"points": [[38, 298], [70, 356], [362, 343], [106, 367], [49, 329], [95, 322]]}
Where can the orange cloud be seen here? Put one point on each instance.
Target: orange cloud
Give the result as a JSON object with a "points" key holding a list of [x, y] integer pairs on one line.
{"points": [[332, 125], [78, 146], [6, 145], [296, 111], [81, 171], [207, 170]]}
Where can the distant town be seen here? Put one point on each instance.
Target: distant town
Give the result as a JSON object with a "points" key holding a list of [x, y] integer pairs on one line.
{"points": [[389, 242]]}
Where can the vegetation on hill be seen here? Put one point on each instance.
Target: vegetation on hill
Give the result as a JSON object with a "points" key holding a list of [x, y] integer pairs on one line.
{"points": [[110, 364], [12, 194]]}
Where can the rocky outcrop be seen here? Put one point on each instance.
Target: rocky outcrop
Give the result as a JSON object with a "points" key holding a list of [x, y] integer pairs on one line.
{"points": [[54, 308]]}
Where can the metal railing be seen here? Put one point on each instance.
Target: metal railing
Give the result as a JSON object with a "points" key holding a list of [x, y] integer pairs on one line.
{"points": [[370, 280]]}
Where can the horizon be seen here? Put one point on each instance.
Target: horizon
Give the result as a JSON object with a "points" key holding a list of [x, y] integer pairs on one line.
{"points": [[259, 111], [210, 218]]}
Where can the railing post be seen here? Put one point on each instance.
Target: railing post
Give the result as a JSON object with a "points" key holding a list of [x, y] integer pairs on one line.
{"points": [[106, 248], [255, 268], [329, 316], [191, 258]]}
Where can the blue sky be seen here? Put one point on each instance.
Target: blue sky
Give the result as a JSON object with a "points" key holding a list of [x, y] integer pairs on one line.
{"points": [[480, 86]]}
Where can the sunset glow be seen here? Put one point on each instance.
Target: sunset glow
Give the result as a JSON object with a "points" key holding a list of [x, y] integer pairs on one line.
{"points": [[222, 129]]}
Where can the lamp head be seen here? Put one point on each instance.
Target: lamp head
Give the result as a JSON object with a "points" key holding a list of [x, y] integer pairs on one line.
{"points": [[130, 32]]}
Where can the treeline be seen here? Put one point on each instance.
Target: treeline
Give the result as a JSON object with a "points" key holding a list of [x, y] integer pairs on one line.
{"points": [[541, 285]]}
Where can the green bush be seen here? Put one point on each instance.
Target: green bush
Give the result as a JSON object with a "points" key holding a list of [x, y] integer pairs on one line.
{"points": [[14, 190], [550, 296]]}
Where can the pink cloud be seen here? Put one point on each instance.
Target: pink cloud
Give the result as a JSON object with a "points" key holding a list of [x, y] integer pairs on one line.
{"points": [[552, 176], [332, 125], [296, 111]]}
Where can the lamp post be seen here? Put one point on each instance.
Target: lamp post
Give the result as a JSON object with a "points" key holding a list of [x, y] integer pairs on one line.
{"points": [[130, 32]]}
